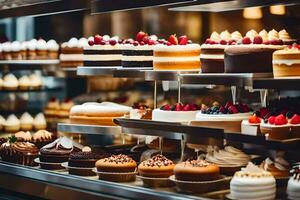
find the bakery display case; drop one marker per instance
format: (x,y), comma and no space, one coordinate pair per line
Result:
(137,116)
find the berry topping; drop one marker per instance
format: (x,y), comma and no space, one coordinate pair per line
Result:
(257,40)
(289,115)
(173,39)
(146,39)
(91,42)
(135,43)
(140,36)
(168,43)
(254,119)
(102,42)
(97,39)
(166,107)
(233,109)
(228,104)
(187,107)
(178,107)
(183,40)
(280,120)
(231,42)
(223,42)
(246,40)
(271,120)
(151,42)
(295,119)
(263,112)
(112,42)
(142,43)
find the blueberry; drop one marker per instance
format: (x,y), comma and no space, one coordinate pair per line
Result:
(289,115)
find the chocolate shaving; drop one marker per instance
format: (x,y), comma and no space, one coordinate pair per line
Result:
(157,160)
(121,158)
(197,163)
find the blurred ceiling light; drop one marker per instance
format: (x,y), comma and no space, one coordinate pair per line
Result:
(277,10)
(252,13)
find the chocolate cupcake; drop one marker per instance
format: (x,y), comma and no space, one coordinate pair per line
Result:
(42,138)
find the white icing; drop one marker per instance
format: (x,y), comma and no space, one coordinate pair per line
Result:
(212,56)
(267,125)
(41,45)
(273,35)
(12,120)
(293,188)
(10,81)
(35,80)
(99,57)
(137,58)
(173,116)
(82,42)
(31,45)
(71,57)
(236,36)
(251,34)
(16,46)
(176,59)
(6,47)
(73,42)
(225,35)
(105,47)
(138,47)
(264,35)
(288,62)
(26,118)
(24,81)
(23,46)
(188,47)
(222,117)
(52,45)
(213,46)
(215,36)
(39,120)
(93,107)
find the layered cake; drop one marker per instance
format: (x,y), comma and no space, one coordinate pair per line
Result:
(287,62)
(196,170)
(293,188)
(72,52)
(176,113)
(98,113)
(157,167)
(140,111)
(278,167)
(251,126)
(103,52)
(228,117)
(253,182)
(228,159)
(178,54)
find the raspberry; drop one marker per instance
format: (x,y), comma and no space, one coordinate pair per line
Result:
(280,120)
(246,40)
(257,40)
(295,119)
(271,120)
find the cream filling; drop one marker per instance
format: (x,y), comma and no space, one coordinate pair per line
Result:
(176,59)
(71,57)
(212,56)
(137,58)
(288,62)
(102,57)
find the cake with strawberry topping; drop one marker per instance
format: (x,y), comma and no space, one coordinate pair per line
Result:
(139,53)
(277,127)
(176,54)
(103,51)
(295,126)
(228,117)
(286,62)
(177,113)
(251,126)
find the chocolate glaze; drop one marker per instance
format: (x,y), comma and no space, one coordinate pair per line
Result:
(137,63)
(137,52)
(106,63)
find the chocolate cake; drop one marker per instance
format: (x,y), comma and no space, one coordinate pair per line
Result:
(137,56)
(84,159)
(212,58)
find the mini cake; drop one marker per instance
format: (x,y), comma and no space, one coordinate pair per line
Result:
(42,138)
(178,54)
(72,52)
(6,51)
(39,122)
(252,121)
(277,127)
(140,112)
(279,168)
(253,182)
(35,81)
(103,52)
(26,121)
(287,62)
(228,117)
(31,49)
(117,164)
(156,167)
(10,82)
(41,49)
(295,126)
(64,108)
(196,170)
(23,136)
(53,49)
(12,124)
(98,113)
(293,188)
(239,58)
(24,83)
(176,113)
(16,50)
(229,160)
(52,107)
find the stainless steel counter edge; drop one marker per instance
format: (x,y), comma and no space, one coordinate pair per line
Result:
(86,185)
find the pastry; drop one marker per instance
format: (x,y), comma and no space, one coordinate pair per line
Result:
(286,62)
(35,81)
(97,113)
(23,136)
(293,188)
(178,54)
(52,107)
(176,113)
(39,122)
(196,170)
(252,121)
(41,49)
(53,49)
(12,124)
(24,83)
(10,82)
(72,52)
(6,51)
(279,168)
(103,51)
(253,182)
(26,122)
(64,108)
(31,49)
(229,159)
(15,50)
(42,138)
(156,167)
(228,117)
(140,111)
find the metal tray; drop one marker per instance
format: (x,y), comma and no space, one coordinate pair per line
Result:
(166,75)
(88,129)
(96,71)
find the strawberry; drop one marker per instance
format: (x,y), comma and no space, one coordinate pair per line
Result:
(246,40)
(223,42)
(228,104)
(140,35)
(135,43)
(231,42)
(267,42)
(280,120)
(207,41)
(254,119)
(212,42)
(112,42)
(102,42)
(97,39)
(168,43)
(173,39)
(178,107)
(194,107)
(183,40)
(151,42)
(91,42)
(233,109)
(257,40)
(167,107)
(295,119)
(271,120)
(187,107)
(142,43)
(145,39)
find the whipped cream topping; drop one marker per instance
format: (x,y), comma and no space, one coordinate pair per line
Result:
(16,46)
(42,135)
(284,35)
(10,80)
(24,81)
(41,45)
(225,35)
(273,35)
(35,80)
(62,143)
(93,107)
(6,47)
(251,34)
(26,118)
(12,120)
(52,45)
(2,120)
(279,163)
(252,171)
(215,36)
(26,136)
(39,119)
(264,35)
(236,36)
(31,45)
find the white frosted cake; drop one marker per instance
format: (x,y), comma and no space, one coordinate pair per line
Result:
(293,188)
(253,182)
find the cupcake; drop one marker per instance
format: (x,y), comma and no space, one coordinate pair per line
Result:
(26,121)
(12,124)
(31,49)
(24,83)
(22,153)
(41,49)
(16,50)
(42,138)
(52,48)
(65,108)
(52,108)
(2,121)
(39,122)
(10,82)
(118,168)
(35,81)
(23,136)
(6,51)
(279,168)
(157,167)
(23,51)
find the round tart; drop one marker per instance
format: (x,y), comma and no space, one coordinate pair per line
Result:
(116,163)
